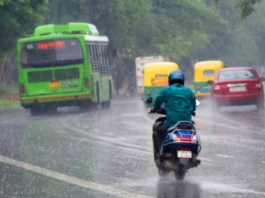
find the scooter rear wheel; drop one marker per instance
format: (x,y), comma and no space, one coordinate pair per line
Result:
(162,172)
(181,172)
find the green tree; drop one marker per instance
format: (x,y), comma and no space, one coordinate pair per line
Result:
(246,6)
(18,19)
(193,31)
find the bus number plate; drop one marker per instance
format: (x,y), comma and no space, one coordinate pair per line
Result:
(66,84)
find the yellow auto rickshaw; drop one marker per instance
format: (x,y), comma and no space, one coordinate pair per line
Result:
(205,71)
(156,78)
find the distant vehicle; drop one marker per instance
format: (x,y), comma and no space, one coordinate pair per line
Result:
(65,65)
(237,86)
(156,78)
(203,72)
(139,65)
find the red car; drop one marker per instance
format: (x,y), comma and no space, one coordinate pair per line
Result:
(237,86)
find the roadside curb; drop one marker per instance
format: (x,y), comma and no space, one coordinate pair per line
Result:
(12,97)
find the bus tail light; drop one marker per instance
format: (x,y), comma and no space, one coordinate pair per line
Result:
(87,83)
(21,89)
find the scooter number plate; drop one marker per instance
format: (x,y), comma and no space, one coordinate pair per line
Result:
(184,154)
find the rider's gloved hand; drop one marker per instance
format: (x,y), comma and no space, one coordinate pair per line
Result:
(152,110)
(194,113)
(161,111)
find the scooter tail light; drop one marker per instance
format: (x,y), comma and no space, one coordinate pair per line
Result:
(184,148)
(194,138)
(184,138)
(176,138)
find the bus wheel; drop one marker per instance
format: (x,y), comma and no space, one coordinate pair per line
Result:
(97,103)
(105,105)
(35,111)
(51,109)
(87,106)
(110,90)
(98,94)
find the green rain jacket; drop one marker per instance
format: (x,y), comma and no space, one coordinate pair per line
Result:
(179,101)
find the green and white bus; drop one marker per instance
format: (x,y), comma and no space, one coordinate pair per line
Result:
(65,65)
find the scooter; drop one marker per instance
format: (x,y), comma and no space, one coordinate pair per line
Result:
(179,149)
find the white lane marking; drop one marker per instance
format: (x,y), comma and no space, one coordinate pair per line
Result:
(222,187)
(228,126)
(70,180)
(244,128)
(108,141)
(9,120)
(207,164)
(240,125)
(224,156)
(206,159)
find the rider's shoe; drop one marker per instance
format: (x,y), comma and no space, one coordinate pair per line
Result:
(157,159)
(198,162)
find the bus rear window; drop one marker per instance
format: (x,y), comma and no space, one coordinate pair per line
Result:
(49,53)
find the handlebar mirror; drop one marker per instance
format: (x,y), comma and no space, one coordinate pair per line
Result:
(149,100)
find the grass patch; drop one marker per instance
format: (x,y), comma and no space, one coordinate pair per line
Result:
(9,103)
(8,89)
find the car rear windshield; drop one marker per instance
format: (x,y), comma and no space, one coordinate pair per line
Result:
(236,74)
(47,53)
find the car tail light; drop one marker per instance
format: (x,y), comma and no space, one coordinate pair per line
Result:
(258,85)
(217,87)
(87,83)
(21,89)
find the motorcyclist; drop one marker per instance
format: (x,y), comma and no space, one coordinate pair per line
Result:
(131,87)
(179,102)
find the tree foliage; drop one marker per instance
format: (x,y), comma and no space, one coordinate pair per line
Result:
(185,31)
(246,6)
(19,18)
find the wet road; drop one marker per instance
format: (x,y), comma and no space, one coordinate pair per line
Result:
(109,154)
